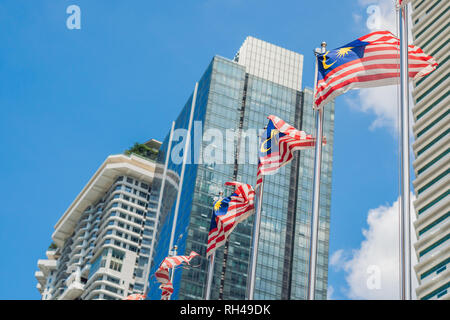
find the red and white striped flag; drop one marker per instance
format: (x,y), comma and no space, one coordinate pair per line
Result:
(370,61)
(135,296)
(167,290)
(228,212)
(277,145)
(162,274)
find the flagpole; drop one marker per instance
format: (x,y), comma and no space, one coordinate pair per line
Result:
(212,257)
(255,241)
(173,253)
(405,216)
(183,167)
(314,228)
(163,183)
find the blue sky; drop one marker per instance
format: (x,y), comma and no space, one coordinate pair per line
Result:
(69,98)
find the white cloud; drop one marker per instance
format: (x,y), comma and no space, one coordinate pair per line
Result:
(372,270)
(381,14)
(336,258)
(357,18)
(330,292)
(381,102)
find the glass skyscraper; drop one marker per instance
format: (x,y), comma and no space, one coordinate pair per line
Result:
(233,100)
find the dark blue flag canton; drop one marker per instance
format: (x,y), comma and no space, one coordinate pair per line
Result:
(269,140)
(335,58)
(220,208)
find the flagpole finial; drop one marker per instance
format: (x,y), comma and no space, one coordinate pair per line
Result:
(324,46)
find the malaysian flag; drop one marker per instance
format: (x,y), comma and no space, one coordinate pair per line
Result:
(228,212)
(162,274)
(370,61)
(167,290)
(277,144)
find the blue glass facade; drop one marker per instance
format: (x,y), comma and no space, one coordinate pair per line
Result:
(228,98)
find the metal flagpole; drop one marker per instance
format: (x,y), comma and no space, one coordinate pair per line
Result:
(210,276)
(255,241)
(183,167)
(163,183)
(314,230)
(173,253)
(212,258)
(405,217)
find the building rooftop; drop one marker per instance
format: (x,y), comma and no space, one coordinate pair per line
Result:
(271,62)
(104,177)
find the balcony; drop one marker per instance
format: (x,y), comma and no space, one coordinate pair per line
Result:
(40,277)
(85,270)
(72,292)
(47,265)
(53,254)
(74,287)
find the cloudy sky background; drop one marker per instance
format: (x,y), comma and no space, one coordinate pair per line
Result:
(70,98)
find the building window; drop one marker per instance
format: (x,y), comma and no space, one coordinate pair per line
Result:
(143,194)
(114,290)
(138,272)
(114,265)
(136,230)
(117,254)
(148,232)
